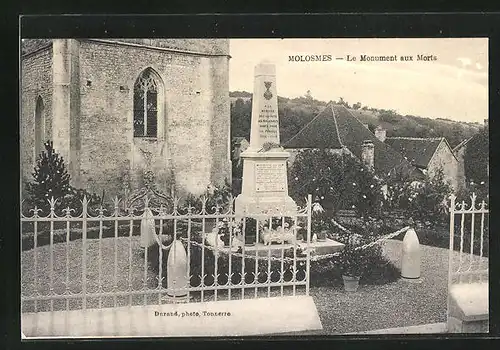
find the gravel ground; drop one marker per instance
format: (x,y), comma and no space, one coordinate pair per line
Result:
(396,304)
(67,265)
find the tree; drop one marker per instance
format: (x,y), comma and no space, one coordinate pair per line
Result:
(456,135)
(336,181)
(356,106)
(476,157)
(427,200)
(241,112)
(308,95)
(51,178)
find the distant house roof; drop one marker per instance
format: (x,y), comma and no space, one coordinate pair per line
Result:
(464,143)
(419,151)
(336,127)
(320,132)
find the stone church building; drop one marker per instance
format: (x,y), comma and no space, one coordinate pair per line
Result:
(118,108)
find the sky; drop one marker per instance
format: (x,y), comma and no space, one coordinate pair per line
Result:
(455,86)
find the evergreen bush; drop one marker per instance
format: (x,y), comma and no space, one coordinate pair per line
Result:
(51,180)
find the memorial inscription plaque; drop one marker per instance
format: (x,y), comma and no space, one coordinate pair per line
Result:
(268,124)
(270,177)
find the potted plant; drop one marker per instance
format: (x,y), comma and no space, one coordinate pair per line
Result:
(352,262)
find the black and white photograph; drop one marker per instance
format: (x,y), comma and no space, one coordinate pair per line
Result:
(217,187)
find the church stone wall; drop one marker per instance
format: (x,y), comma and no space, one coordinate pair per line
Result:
(221,125)
(36,80)
(196,108)
(206,46)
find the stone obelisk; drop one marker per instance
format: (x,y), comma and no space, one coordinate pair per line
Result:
(264,183)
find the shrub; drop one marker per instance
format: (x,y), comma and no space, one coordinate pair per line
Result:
(428,201)
(480,189)
(51,179)
(336,181)
(368,263)
(423,201)
(215,196)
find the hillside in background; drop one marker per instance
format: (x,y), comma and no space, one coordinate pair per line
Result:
(297,112)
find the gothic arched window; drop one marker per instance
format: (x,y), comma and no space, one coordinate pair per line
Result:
(146,92)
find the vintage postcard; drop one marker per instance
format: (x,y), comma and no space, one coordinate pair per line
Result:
(248,187)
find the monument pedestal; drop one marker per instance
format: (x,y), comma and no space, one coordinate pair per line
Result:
(265,186)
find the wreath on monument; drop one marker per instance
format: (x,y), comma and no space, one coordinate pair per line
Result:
(267,146)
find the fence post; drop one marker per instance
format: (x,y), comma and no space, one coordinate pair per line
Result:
(177,281)
(450,258)
(308,256)
(148,229)
(410,261)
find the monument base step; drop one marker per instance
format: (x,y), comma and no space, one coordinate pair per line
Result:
(456,325)
(431,328)
(221,318)
(468,308)
(327,246)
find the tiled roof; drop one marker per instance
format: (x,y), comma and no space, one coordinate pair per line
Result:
(418,151)
(335,127)
(320,132)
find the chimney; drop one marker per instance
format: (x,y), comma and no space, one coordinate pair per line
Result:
(368,154)
(380,133)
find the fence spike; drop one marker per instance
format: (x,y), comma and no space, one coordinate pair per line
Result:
(483,205)
(473,201)
(101,211)
(35,211)
(67,211)
(52,202)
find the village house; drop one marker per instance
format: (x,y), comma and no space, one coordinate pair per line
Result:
(429,155)
(337,129)
(118,108)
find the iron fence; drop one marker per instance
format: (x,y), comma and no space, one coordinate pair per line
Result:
(468,258)
(152,250)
